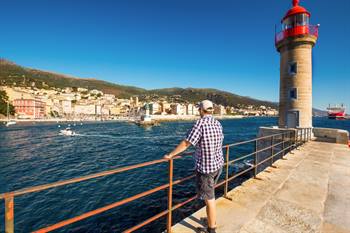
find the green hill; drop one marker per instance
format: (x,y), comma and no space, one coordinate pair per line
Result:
(12,74)
(217,96)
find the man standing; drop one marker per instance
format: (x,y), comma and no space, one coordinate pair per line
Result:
(207,136)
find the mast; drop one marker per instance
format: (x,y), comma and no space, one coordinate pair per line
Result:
(8,110)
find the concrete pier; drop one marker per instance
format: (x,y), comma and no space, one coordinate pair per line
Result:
(307,191)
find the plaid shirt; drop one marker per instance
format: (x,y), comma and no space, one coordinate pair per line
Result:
(207,136)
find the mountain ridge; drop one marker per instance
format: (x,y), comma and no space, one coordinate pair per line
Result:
(11,73)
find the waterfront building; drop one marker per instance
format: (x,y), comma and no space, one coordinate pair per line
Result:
(67,96)
(84,109)
(68,90)
(105,110)
(29,108)
(219,110)
(48,105)
(178,109)
(17,93)
(108,97)
(271,112)
(154,108)
(80,89)
(195,110)
(189,109)
(165,107)
(295,43)
(115,110)
(124,102)
(96,92)
(66,106)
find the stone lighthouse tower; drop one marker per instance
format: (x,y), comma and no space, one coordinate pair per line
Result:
(295,43)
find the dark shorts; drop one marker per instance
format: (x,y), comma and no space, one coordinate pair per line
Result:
(206,184)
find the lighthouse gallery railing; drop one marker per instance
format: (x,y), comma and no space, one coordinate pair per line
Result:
(298,30)
(285,142)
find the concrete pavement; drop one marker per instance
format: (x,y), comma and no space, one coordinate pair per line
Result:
(307,191)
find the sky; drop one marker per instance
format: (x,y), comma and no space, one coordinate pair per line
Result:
(223,44)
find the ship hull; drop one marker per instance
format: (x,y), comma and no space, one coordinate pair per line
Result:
(338,115)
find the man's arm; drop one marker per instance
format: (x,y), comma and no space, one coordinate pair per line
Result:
(179,149)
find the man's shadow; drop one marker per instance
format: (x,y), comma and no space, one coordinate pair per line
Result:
(202,222)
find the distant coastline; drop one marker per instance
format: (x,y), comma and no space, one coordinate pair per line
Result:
(159,118)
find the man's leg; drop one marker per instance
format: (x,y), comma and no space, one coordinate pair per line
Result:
(211,212)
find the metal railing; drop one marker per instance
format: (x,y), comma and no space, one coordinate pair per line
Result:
(298,30)
(283,142)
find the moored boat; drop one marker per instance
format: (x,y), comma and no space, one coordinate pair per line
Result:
(336,112)
(67,132)
(146,119)
(11,122)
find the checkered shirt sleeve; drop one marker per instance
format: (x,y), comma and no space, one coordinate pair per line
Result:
(195,134)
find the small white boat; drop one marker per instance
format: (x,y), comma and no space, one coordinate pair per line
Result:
(67,132)
(9,123)
(146,119)
(249,164)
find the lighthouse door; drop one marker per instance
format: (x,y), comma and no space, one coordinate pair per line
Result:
(292,119)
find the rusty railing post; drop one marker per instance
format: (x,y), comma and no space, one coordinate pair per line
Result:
(170,196)
(9,214)
(272,141)
(256,159)
(227,165)
(283,152)
(290,141)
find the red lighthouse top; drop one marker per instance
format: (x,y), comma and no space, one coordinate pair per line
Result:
(296,9)
(296,23)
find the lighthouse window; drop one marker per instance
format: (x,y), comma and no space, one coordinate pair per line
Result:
(293,94)
(293,68)
(302,20)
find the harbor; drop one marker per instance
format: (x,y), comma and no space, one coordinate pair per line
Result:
(87,155)
(76,158)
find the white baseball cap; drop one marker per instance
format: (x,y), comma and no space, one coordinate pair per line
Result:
(206,105)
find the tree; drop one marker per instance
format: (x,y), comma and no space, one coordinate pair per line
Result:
(3,104)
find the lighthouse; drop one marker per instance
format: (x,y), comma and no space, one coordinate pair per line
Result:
(295,43)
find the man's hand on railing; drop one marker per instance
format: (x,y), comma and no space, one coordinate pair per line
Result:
(167,156)
(178,150)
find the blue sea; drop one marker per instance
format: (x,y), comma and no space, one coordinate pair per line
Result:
(34,154)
